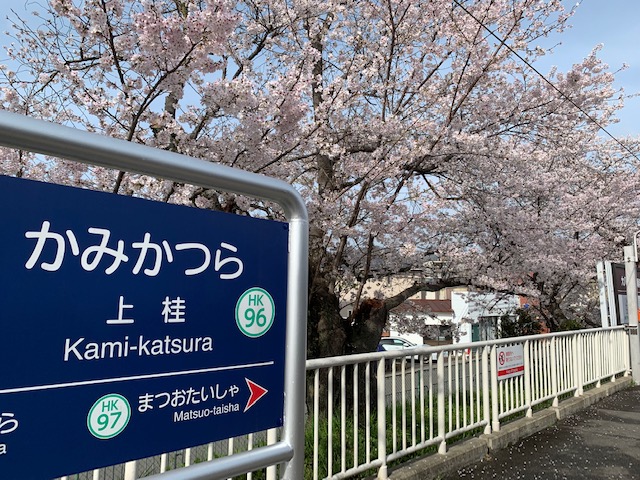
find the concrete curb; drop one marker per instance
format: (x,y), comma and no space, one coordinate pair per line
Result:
(574,405)
(512,432)
(433,466)
(472,451)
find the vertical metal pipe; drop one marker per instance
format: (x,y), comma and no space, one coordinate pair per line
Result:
(486,390)
(394,408)
(382,421)
(450,391)
(250,447)
(367,409)
(574,363)
(441,411)
(296,344)
(554,371)
(597,347)
(431,412)
(527,377)
(495,421)
(457,384)
(403,400)
(343,418)
(356,426)
(479,374)
(316,421)
(465,363)
(602,290)
(209,453)
(130,470)
(422,422)
(581,363)
(413,403)
(568,367)
(613,352)
(630,271)
(329,423)
(272,438)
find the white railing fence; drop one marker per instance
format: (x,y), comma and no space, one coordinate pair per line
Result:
(366,411)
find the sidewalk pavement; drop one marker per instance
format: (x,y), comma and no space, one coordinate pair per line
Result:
(595,436)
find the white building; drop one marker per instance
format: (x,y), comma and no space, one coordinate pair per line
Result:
(464,317)
(423,321)
(450,315)
(477,314)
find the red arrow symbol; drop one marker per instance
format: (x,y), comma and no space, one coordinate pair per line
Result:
(257,392)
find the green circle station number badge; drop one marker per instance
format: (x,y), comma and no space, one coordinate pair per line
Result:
(109,416)
(255,311)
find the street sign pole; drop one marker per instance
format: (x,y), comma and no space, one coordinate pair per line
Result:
(602,294)
(630,267)
(24,133)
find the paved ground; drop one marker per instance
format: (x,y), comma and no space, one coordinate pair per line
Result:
(601,442)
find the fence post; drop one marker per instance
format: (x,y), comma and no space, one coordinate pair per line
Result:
(574,361)
(441,410)
(495,413)
(527,378)
(577,358)
(272,437)
(597,345)
(554,371)
(316,421)
(382,420)
(627,356)
(613,357)
(582,339)
(486,391)
(130,470)
(329,422)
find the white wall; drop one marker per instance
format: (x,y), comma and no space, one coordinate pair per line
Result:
(415,337)
(468,307)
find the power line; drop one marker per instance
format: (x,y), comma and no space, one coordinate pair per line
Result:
(562,94)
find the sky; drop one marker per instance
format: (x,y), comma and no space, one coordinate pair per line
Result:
(616,25)
(613,23)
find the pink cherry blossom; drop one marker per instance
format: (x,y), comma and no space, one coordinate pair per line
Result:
(414,135)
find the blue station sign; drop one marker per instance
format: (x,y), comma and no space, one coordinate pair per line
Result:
(132,328)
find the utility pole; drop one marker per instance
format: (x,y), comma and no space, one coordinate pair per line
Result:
(630,271)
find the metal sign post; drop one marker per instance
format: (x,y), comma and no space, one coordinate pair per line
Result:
(170,304)
(630,260)
(603,294)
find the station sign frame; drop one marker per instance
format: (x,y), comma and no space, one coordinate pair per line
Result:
(24,133)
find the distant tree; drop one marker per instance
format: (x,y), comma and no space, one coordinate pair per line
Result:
(522,322)
(411,132)
(571,324)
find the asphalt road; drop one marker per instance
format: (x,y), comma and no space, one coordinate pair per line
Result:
(601,442)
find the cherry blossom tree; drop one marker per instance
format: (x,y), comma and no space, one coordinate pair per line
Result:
(419,139)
